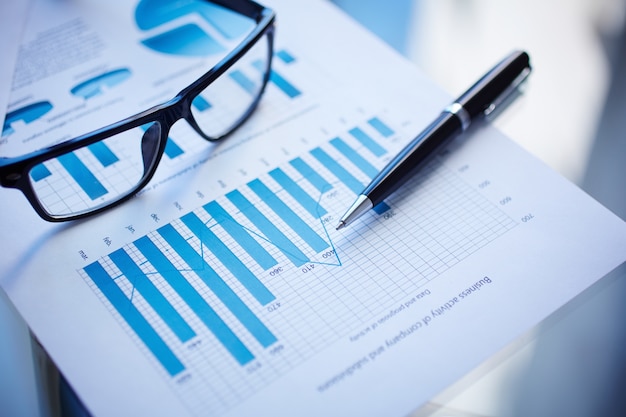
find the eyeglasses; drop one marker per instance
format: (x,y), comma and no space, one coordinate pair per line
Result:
(96,171)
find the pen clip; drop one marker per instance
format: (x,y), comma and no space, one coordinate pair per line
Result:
(508,92)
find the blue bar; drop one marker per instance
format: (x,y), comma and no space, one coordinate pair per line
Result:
(103,154)
(241,236)
(94,86)
(382,128)
(381,208)
(218,286)
(301,196)
(26,114)
(285,56)
(284,85)
(7,129)
(311,175)
(200,103)
(266,227)
(368,142)
(81,174)
(361,163)
(243,81)
(172,150)
(228,258)
(339,171)
(292,219)
(135,320)
(152,295)
(39,172)
(199,306)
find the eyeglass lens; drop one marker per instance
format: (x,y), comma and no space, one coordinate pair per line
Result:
(220,107)
(102,173)
(96,175)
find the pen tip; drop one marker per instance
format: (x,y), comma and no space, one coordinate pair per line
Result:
(340,225)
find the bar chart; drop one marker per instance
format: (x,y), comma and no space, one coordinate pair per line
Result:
(195,38)
(78,170)
(216,275)
(296,240)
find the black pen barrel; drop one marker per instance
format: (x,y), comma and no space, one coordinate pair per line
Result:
(408,161)
(480,99)
(486,90)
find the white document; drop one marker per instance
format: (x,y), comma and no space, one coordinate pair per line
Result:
(223,289)
(13,16)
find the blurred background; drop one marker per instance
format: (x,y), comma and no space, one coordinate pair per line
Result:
(572,116)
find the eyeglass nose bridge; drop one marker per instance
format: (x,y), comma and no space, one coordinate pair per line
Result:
(184,112)
(191,121)
(150,146)
(154,139)
(180,109)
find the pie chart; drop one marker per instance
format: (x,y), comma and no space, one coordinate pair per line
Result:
(191,28)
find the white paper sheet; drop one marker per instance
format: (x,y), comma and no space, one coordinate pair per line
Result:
(371,320)
(13,16)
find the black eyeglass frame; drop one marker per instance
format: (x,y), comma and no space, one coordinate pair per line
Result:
(14,171)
